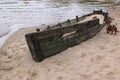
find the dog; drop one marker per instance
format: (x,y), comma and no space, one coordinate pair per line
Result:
(112,28)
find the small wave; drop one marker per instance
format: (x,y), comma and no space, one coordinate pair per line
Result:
(11,30)
(17,26)
(4,31)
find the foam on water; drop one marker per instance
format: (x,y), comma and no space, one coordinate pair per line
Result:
(11,31)
(4,31)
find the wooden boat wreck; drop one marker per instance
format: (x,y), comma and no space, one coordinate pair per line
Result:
(53,40)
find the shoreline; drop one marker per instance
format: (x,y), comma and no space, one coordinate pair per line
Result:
(21,30)
(24,31)
(4,34)
(8,36)
(14,36)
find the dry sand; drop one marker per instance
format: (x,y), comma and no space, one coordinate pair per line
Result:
(96,59)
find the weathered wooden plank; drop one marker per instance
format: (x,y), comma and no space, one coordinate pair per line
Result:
(53,47)
(67,29)
(50,42)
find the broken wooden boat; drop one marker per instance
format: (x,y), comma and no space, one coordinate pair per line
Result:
(53,40)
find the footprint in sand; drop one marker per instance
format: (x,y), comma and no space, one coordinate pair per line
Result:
(60,78)
(3,52)
(110,73)
(105,66)
(6,67)
(86,76)
(95,72)
(32,73)
(83,55)
(97,59)
(110,76)
(102,47)
(113,50)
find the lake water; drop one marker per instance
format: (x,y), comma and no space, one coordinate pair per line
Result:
(16,14)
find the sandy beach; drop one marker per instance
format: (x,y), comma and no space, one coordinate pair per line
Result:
(95,59)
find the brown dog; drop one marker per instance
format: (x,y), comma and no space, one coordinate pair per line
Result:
(112,28)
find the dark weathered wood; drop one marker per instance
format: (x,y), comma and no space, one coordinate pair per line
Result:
(38,30)
(98,12)
(59,24)
(55,46)
(77,18)
(53,41)
(68,21)
(67,29)
(35,48)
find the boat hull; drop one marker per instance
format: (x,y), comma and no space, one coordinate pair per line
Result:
(50,42)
